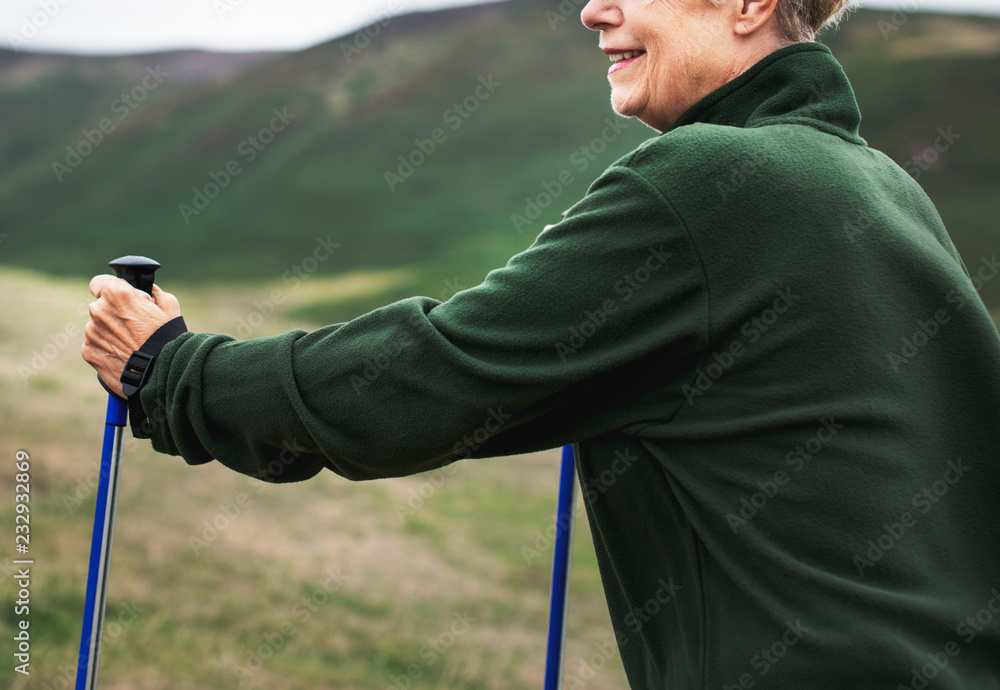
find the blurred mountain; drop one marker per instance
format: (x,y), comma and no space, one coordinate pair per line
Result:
(412,144)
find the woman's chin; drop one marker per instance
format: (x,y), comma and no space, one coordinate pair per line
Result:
(624,105)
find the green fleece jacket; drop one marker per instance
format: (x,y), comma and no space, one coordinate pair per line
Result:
(784,388)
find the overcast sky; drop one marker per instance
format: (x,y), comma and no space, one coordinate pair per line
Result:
(122,26)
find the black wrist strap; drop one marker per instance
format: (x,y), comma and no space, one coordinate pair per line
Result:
(137,372)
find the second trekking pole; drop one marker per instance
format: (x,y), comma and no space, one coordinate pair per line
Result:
(565,511)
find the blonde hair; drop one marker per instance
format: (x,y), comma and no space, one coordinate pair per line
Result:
(800,20)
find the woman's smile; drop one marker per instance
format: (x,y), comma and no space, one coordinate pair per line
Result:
(623,59)
(669,54)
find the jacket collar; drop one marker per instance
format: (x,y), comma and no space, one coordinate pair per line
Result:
(802,84)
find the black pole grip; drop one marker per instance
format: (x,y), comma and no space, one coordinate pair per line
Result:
(137,271)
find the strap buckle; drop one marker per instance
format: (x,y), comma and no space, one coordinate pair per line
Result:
(135,373)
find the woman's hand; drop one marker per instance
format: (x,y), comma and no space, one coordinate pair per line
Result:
(122,319)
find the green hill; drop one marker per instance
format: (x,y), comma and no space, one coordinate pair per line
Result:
(410,145)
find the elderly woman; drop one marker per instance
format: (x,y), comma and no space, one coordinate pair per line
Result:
(783,385)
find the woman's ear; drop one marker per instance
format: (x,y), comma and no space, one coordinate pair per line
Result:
(754,15)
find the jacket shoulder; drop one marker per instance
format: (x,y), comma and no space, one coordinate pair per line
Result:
(699,145)
(688,160)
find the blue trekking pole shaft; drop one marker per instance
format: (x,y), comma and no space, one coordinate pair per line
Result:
(100,545)
(565,512)
(138,271)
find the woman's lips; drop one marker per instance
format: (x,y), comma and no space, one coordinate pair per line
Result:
(624,63)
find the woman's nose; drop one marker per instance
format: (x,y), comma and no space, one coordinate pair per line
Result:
(599,15)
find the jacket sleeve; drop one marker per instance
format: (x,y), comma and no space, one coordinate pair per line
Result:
(579,334)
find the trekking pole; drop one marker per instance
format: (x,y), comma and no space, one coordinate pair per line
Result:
(139,272)
(565,512)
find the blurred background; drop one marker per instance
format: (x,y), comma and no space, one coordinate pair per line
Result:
(293,164)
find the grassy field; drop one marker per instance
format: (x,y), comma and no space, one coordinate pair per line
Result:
(219,581)
(432,581)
